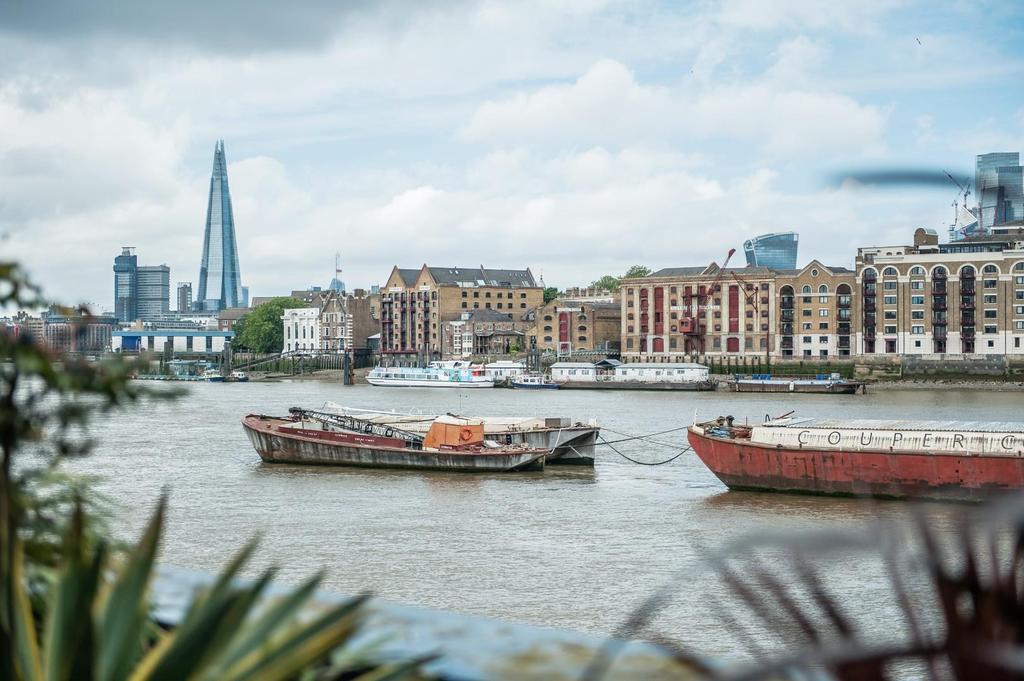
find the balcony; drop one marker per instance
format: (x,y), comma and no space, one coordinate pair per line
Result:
(786,315)
(938,287)
(843,329)
(787,343)
(939,333)
(870,277)
(939,304)
(844,342)
(967,334)
(967,304)
(869,305)
(967,290)
(844,301)
(869,333)
(786,302)
(844,315)
(786,329)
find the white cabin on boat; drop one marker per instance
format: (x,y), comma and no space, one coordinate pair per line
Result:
(504,369)
(563,372)
(642,372)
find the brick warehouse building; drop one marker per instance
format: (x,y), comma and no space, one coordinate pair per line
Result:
(416,304)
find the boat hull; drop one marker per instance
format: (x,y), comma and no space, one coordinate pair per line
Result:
(636,385)
(845,388)
(275,445)
(535,386)
(412,383)
(740,464)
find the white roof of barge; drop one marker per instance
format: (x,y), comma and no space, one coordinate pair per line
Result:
(899,424)
(573,365)
(661,365)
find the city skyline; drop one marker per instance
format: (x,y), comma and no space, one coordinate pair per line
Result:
(579,140)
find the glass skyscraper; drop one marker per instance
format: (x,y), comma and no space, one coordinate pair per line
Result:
(126,285)
(220,282)
(154,291)
(777,251)
(999,187)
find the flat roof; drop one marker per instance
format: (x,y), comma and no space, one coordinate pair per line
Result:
(172,332)
(662,365)
(573,365)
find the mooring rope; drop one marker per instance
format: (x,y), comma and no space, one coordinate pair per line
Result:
(641,437)
(642,463)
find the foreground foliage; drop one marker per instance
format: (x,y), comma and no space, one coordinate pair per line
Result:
(261,329)
(73,607)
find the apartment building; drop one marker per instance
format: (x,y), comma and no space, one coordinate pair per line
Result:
(483,332)
(301,329)
(347,320)
(963,297)
(416,304)
(816,312)
(678,312)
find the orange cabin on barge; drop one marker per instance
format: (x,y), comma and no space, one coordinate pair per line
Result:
(956,460)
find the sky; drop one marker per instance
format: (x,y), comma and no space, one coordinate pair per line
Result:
(574,137)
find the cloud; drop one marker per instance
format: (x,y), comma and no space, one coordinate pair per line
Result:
(607,104)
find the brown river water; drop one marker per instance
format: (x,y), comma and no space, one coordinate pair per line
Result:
(569,548)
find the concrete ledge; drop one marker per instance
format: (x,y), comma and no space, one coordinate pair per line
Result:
(467,647)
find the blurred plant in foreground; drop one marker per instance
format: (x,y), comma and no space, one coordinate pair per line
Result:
(69,609)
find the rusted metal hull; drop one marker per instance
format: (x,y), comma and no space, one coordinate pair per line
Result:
(740,464)
(275,444)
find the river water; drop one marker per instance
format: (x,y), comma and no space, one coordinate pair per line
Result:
(568,548)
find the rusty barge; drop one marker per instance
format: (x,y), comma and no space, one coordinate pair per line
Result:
(945,460)
(569,443)
(450,444)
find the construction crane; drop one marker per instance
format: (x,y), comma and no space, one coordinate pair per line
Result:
(965,191)
(752,294)
(690,325)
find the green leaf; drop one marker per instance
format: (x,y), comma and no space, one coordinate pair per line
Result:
(27,661)
(126,609)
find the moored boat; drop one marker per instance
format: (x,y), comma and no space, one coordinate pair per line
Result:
(450,444)
(533,382)
(766,383)
(569,443)
(963,461)
(437,375)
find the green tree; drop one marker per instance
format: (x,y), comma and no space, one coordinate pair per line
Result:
(637,271)
(550,293)
(261,330)
(607,282)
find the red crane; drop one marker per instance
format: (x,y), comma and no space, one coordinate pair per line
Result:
(690,325)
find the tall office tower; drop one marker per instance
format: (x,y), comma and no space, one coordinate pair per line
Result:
(999,188)
(154,297)
(126,285)
(184,296)
(777,251)
(220,284)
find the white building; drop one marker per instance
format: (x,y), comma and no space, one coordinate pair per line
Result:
(179,340)
(661,372)
(301,329)
(504,369)
(562,372)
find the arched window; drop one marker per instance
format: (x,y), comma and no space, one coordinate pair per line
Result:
(1019,267)
(547,318)
(806,288)
(843,289)
(917,271)
(787,290)
(583,317)
(890,272)
(939,271)
(967,271)
(869,273)
(991,269)
(823,289)
(582,328)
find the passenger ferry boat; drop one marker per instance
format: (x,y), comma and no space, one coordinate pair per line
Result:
(447,374)
(957,460)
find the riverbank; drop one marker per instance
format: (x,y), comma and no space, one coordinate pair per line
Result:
(947,384)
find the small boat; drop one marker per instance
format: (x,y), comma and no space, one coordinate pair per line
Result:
(452,374)
(832,384)
(568,443)
(450,444)
(533,382)
(213,376)
(954,460)
(239,376)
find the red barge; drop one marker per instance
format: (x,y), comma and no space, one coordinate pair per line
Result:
(954,460)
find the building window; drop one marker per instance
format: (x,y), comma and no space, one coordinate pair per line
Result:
(807,327)
(991,328)
(917,330)
(476,294)
(917,300)
(823,339)
(991,283)
(890,314)
(522,306)
(823,326)
(991,314)
(464,304)
(917,285)
(890,328)
(521,295)
(917,314)
(806,313)
(990,299)
(465,294)
(806,339)
(823,312)
(889,300)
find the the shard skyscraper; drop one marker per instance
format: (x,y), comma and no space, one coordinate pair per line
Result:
(220,281)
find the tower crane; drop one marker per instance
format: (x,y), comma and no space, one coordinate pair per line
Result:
(965,191)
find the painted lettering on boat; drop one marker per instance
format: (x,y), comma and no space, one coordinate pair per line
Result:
(883,439)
